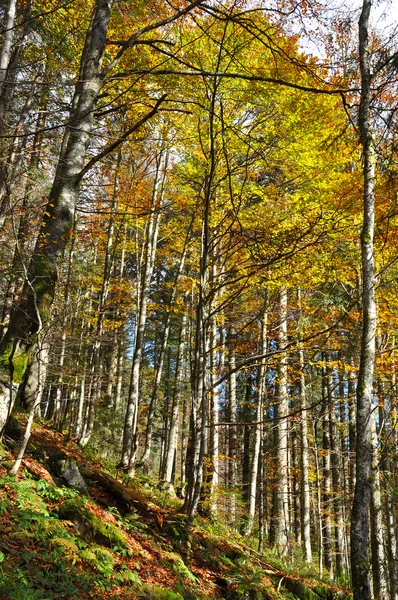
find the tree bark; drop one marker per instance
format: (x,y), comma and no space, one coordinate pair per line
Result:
(258,429)
(380,590)
(280,511)
(305,483)
(362,494)
(232,437)
(171,450)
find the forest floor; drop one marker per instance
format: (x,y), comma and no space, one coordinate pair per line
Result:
(123,541)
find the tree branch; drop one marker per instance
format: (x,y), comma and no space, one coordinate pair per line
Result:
(122,139)
(133,39)
(226,75)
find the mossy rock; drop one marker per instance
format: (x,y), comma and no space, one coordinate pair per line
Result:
(155,592)
(65,468)
(232,594)
(88,524)
(300,589)
(179,566)
(322,592)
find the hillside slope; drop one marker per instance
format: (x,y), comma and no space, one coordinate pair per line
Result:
(120,541)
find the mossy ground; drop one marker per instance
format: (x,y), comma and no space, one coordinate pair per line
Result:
(57,544)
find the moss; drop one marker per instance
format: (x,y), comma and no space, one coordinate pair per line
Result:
(365,236)
(20,362)
(300,589)
(323,592)
(179,566)
(155,592)
(175,528)
(45,277)
(75,510)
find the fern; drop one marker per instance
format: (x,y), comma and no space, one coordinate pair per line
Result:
(68,547)
(100,558)
(27,495)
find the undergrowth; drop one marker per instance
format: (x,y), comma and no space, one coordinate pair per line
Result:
(59,544)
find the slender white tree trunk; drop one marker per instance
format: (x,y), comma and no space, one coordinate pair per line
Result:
(379,562)
(305,482)
(173,434)
(362,496)
(9,30)
(280,509)
(258,428)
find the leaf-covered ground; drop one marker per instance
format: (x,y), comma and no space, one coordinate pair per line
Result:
(123,541)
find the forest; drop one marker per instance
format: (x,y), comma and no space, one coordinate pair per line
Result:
(198,266)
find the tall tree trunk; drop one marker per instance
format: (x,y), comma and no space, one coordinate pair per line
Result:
(280,510)
(377,529)
(362,495)
(9,30)
(199,381)
(232,437)
(258,428)
(305,483)
(171,451)
(327,476)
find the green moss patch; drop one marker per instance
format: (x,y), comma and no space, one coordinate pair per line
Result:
(155,592)
(179,566)
(107,534)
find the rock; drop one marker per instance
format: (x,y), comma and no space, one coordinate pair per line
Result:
(166,486)
(66,470)
(89,524)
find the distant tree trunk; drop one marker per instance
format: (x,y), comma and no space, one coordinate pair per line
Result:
(327,477)
(362,496)
(318,504)
(280,532)
(337,482)
(120,338)
(380,590)
(214,438)
(345,459)
(352,436)
(171,450)
(232,437)
(392,546)
(258,428)
(305,483)
(247,418)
